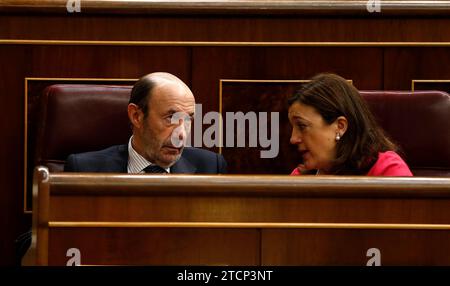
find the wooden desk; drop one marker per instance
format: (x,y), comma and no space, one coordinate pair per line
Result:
(239,220)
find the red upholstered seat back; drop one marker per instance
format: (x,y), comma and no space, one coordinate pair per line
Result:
(420,123)
(79,118)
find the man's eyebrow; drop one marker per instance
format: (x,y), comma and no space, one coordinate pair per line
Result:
(172,111)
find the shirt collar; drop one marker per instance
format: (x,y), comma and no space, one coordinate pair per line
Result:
(137,163)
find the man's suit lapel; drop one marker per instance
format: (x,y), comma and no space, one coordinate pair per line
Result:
(119,163)
(183,166)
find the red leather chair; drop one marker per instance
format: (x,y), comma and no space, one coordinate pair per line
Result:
(79,118)
(420,123)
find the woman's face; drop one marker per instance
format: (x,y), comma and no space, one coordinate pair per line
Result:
(315,139)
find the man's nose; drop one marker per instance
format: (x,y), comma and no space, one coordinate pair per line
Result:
(182,131)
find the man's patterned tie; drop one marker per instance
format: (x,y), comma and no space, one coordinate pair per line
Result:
(155,169)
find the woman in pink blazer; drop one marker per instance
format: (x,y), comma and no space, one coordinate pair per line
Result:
(336,134)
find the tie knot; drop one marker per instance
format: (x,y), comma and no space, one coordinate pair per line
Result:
(155,169)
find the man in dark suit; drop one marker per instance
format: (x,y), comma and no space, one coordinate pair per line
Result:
(160,110)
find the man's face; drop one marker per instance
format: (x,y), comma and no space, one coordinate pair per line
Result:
(159,129)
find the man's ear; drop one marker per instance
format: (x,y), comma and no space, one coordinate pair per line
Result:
(135,115)
(342,124)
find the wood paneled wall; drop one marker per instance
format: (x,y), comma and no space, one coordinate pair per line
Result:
(375,51)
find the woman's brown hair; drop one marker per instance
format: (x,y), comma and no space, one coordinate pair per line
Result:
(332,96)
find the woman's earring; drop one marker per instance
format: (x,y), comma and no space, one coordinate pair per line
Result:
(338,137)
